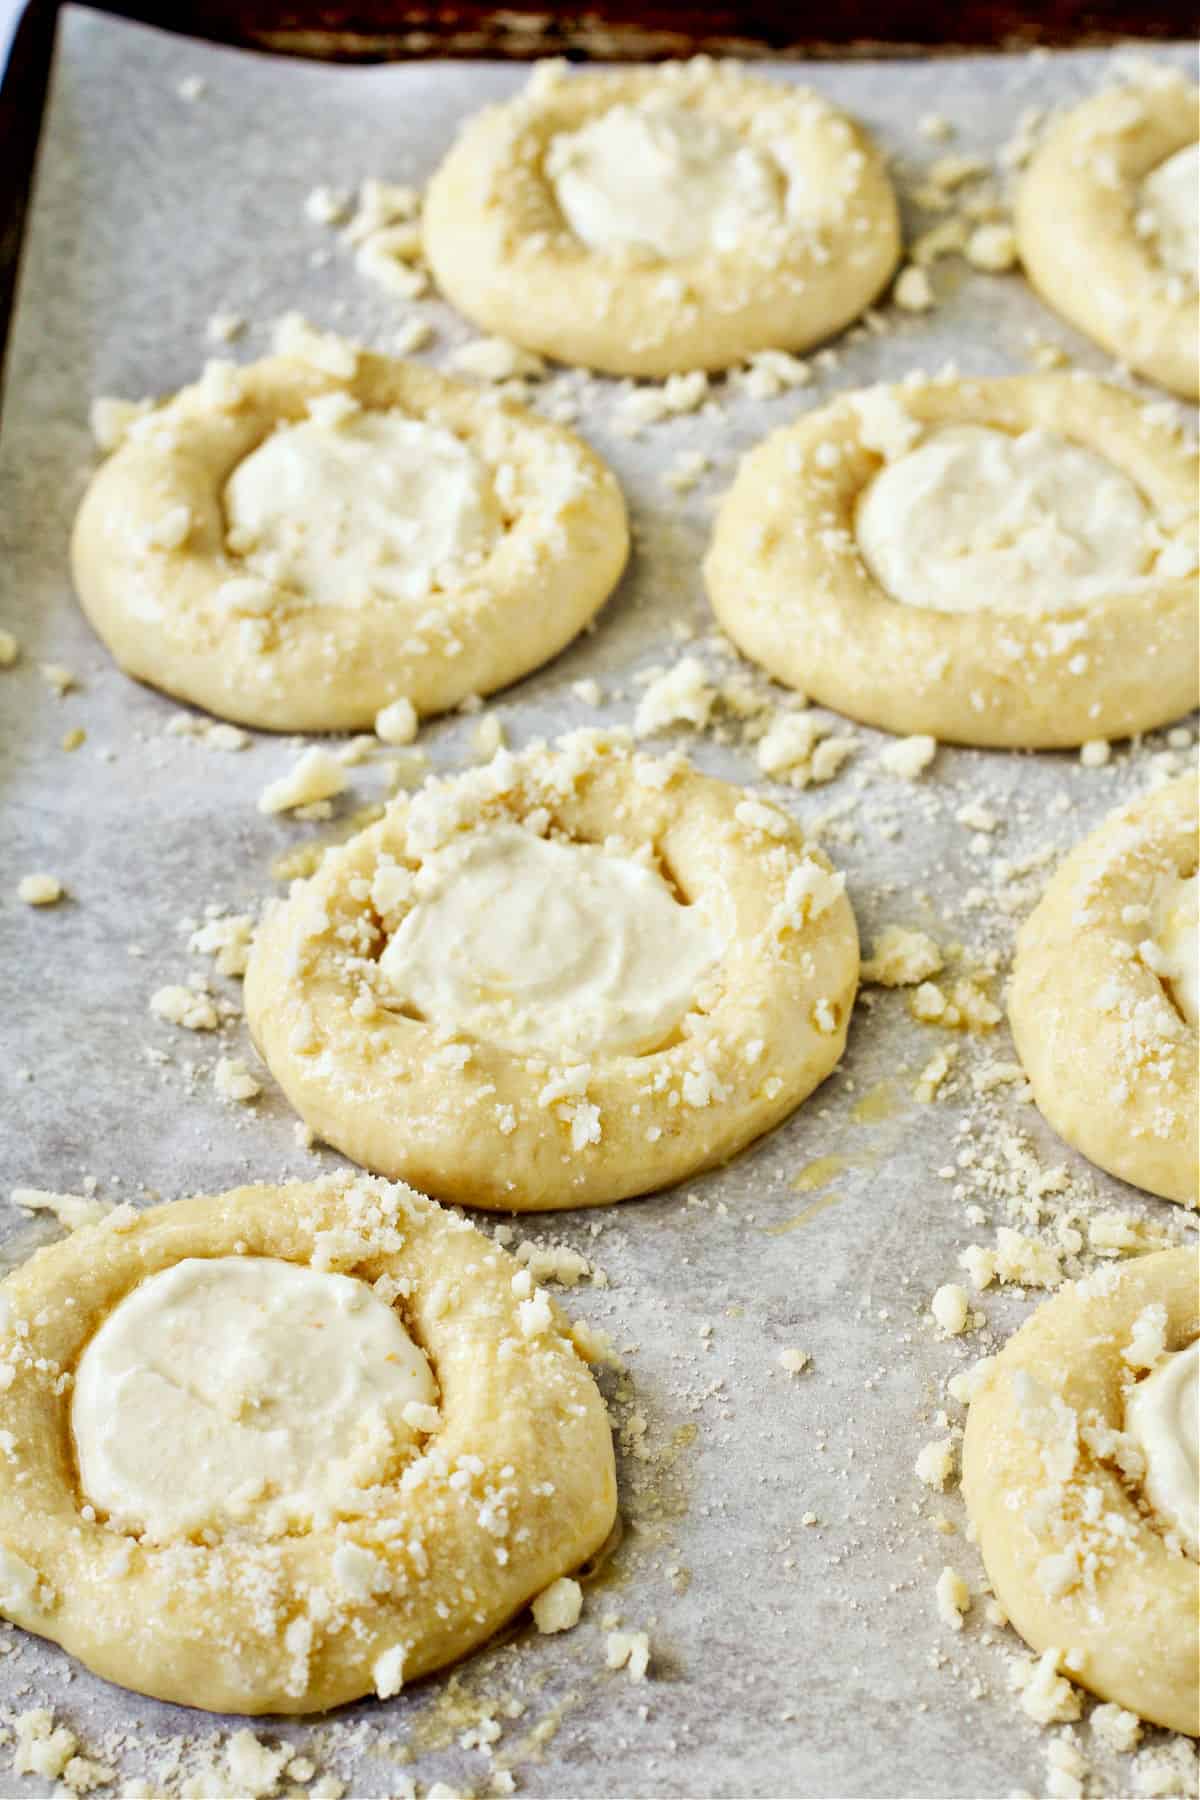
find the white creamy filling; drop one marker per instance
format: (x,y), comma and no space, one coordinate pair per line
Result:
(1169,211)
(242,1389)
(663,182)
(1162,1414)
(537,945)
(974,519)
(376,504)
(1178,959)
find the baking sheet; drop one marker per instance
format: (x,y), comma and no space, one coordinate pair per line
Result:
(789,1658)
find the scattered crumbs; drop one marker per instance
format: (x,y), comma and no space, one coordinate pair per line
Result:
(1045,1695)
(224,327)
(953,1598)
(495,359)
(913,291)
(184,1006)
(934,1466)
(233,1080)
(487,737)
(557,1608)
(415,334)
(992,248)
(901,958)
(397,723)
(934,1074)
(40,890)
(253,1766)
(651,405)
(628,1650)
(317,776)
(949,1307)
(908,757)
(59,678)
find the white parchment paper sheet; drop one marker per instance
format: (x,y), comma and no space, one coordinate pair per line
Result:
(788,1659)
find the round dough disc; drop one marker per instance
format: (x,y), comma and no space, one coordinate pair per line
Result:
(789,583)
(1077,217)
(193,618)
(1112,1061)
(503,251)
(520,1463)
(1077,1559)
(479,1123)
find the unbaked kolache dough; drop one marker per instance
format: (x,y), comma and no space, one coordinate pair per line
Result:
(1103,1002)
(1107,225)
(320,1440)
(1080,1475)
(1006,562)
(297,543)
(648,221)
(566,977)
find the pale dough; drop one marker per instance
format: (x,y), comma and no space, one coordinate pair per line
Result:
(1077,1555)
(1097,1003)
(1090,232)
(655,220)
(486,1116)
(503,1486)
(1001,655)
(298,546)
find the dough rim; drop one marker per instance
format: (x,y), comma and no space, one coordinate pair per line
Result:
(334,668)
(1078,243)
(788,583)
(445,1130)
(1142,1652)
(1061,963)
(500,249)
(535,1407)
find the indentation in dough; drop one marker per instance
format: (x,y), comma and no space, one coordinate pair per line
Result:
(243,1388)
(977,519)
(537,944)
(1168,214)
(375,505)
(1162,1414)
(662,181)
(1174,951)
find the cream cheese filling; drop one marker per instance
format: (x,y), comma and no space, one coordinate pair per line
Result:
(374,504)
(1162,1415)
(663,182)
(537,945)
(974,519)
(243,1390)
(1168,213)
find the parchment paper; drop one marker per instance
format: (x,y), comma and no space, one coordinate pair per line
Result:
(788,1658)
